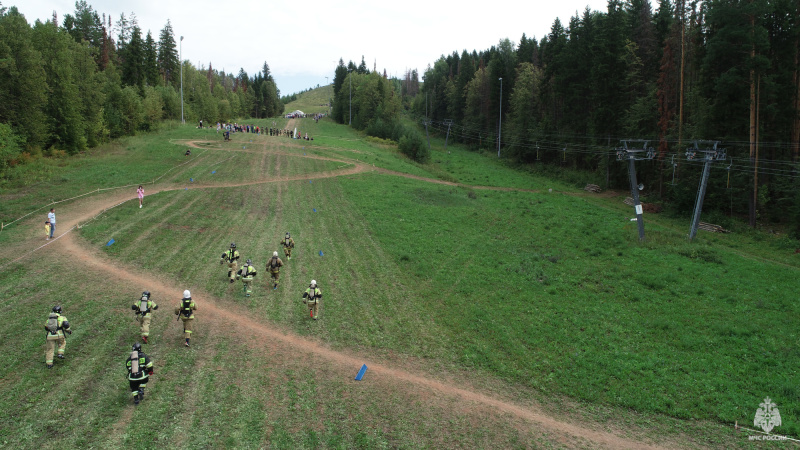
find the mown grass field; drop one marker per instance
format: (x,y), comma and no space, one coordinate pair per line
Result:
(540,297)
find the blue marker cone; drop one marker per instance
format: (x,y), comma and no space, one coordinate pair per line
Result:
(315,209)
(185,189)
(110,242)
(320,253)
(213,172)
(191,180)
(361,372)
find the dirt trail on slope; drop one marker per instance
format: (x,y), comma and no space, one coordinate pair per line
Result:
(217,317)
(224,317)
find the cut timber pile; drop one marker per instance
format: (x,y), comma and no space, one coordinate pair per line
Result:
(711,227)
(593,188)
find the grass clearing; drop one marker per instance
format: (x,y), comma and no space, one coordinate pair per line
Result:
(547,295)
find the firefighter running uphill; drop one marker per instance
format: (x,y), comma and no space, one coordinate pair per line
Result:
(231,256)
(144,308)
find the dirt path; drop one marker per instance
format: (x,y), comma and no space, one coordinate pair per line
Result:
(222,317)
(218,317)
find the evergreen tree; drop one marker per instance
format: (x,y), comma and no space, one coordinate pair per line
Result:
(133,61)
(23,83)
(150,61)
(168,64)
(65,122)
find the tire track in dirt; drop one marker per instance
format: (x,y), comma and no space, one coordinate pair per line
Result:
(223,317)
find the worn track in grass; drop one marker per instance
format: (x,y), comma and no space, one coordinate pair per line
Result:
(235,321)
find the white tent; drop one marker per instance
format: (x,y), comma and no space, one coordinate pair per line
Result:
(299,113)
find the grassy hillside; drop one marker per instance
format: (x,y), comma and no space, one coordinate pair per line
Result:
(542,298)
(314,101)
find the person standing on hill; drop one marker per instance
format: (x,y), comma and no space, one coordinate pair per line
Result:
(51,216)
(288,245)
(185,311)
(231,256)
(246,273)
(140,193)
(140,367)
(274,266)
(144,308)
(55,326)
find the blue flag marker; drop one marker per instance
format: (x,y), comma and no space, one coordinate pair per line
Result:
(310,181)
(213,172)
(361,372)
(243,147)
(185,189)
(320,253)
(315,209)
(110,242)
(191,180)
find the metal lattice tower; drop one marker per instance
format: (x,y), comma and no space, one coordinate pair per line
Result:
(709,154)
(635,150)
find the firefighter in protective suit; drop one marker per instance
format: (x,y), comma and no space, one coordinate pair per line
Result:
(140,367)
(231,256)
(185,311)
(274,266)
(288,245)
(311,297)
(55,326)
(143,309)
(246,273)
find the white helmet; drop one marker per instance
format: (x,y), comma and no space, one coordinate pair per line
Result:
(274,253)
(187,294)
(313,282)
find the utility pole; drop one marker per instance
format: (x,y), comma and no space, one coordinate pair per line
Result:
(427,122)
(500,127)
(350,77)
(183,121)
(709,155)
(635,154)
(447,122)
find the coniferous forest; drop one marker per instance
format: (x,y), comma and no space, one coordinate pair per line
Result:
(718,70)
(76,81)
(671,73)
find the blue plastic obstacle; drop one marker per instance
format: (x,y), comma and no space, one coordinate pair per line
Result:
(361,372)
(320,253)
(191,180)
(315,209)
(310,181)
(110,242)
(213,172)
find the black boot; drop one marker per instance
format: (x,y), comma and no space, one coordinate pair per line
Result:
(141,393)
(136,399)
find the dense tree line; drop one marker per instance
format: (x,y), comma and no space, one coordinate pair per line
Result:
(722,70)
(70,86)
(371,102)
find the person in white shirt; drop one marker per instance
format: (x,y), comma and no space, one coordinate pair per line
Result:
(51,216)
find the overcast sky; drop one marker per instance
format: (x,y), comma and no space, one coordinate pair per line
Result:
(302,41)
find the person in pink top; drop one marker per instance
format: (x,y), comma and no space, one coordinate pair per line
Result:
(140,193)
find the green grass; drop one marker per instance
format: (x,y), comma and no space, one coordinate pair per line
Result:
(314,101)
(548,294)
